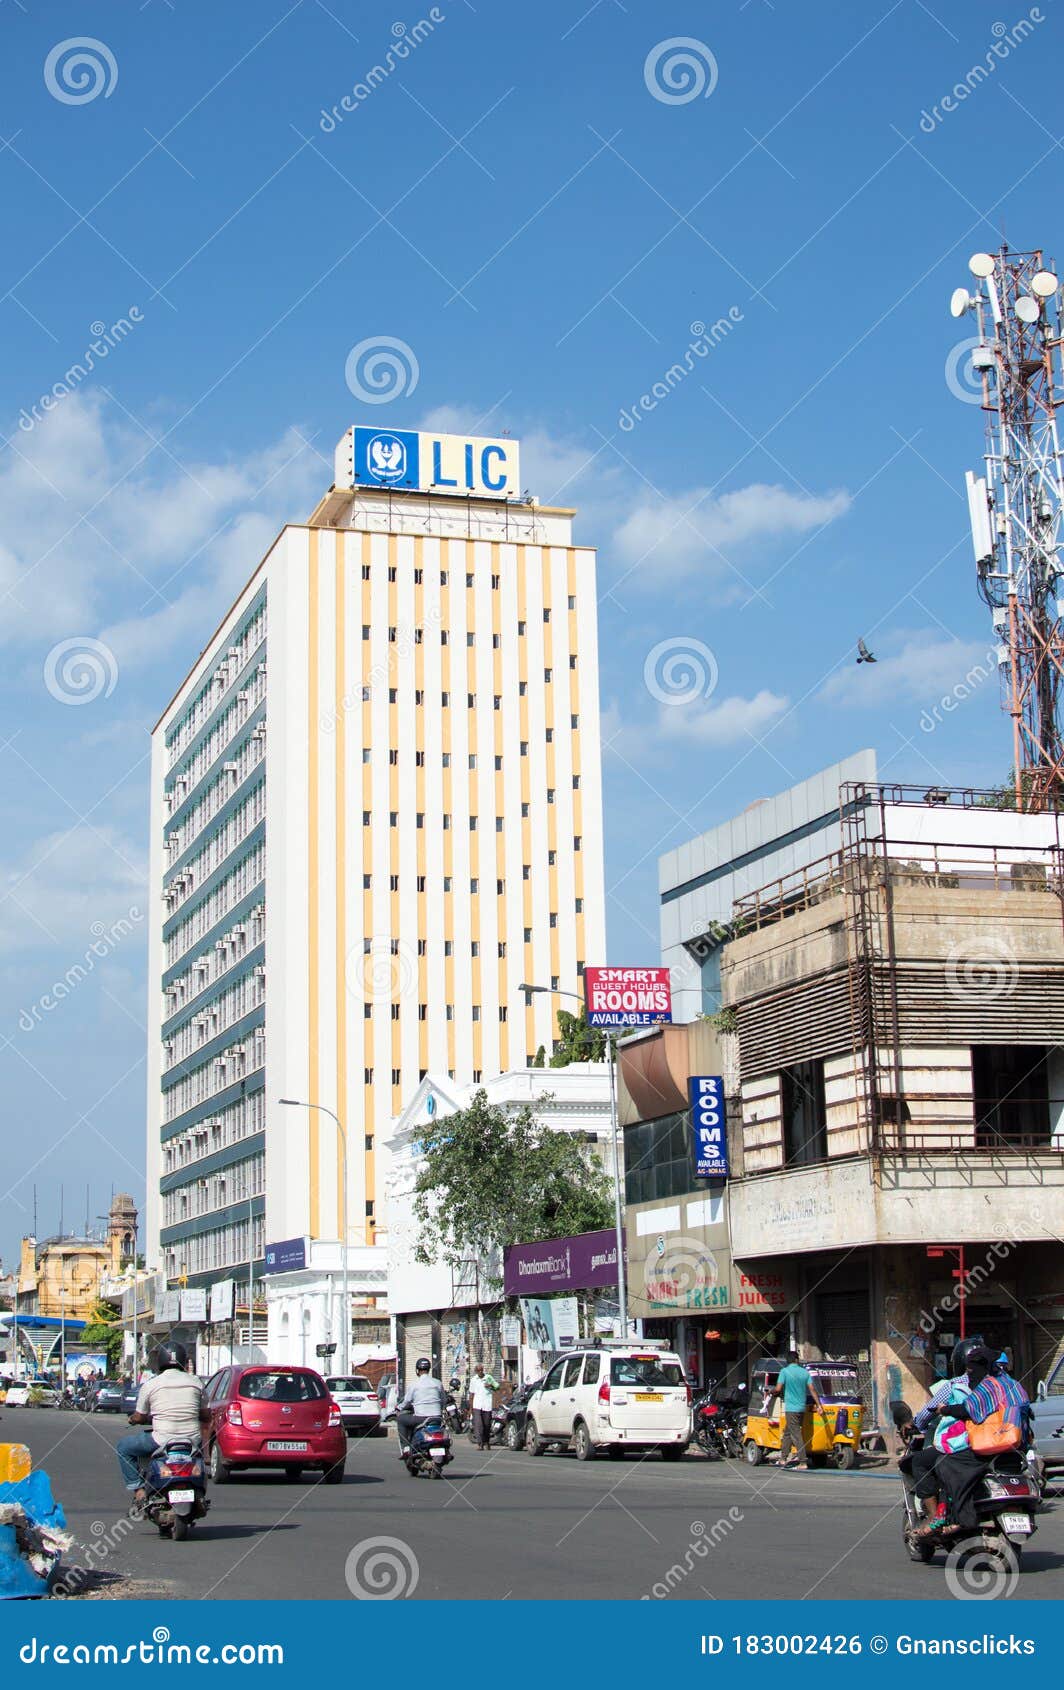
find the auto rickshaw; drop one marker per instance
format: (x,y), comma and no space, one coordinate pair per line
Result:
(831,1433)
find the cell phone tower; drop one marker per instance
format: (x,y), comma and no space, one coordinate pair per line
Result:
(1016,506)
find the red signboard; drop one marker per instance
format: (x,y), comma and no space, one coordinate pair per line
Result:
(627,997)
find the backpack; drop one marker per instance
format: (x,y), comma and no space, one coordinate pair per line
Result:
(1002,1430)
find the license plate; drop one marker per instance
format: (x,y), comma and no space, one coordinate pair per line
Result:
(286,1444)
(182,1496)
(649,1396)
(1014,1522)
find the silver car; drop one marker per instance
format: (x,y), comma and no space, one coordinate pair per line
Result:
(1048,1409)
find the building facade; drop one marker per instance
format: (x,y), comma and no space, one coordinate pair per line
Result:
(685,1283)
(454,1315)
(700,881)
(376,810)
(899,1011)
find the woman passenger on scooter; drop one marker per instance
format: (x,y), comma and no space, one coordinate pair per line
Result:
(959,1468)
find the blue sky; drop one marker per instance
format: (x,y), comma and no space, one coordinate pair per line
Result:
(517,202)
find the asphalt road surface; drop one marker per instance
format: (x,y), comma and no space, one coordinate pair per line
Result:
(502,1525)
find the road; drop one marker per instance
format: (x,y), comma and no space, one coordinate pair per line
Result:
(504,1525)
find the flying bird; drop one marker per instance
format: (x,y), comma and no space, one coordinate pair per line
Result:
(863,653)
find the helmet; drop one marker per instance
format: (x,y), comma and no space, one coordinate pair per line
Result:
(171,1355)
(961,1351)
(423,1365)
(980,1362)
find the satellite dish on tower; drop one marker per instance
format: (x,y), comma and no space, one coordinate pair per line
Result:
(1044,284)
(959,302)
(981,264)
(1026,309)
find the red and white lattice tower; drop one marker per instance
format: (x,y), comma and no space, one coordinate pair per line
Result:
(1016,506)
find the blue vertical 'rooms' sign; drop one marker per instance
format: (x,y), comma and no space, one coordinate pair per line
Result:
(708,1125)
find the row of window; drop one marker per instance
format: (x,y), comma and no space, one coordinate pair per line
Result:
(220,845)
(235,1122)
(222,1247)
(229,776)
(222,677)
(240,999)
(211,964)
(422,880)
(234,1184)
(228,724)
(234,1063)
(235,886)
(444,577)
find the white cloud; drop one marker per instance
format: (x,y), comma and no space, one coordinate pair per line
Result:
(97,523)
(678,532)
(66,888)
(726,721)
(927,666)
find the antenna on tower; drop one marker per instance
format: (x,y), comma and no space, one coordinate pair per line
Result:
(1016,507)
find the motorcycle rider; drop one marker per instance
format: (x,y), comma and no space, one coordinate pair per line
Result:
(425,1399)
(952,1390)
(172,1404)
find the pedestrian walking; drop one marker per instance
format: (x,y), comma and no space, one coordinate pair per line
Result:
(795,1386)
(482,1389)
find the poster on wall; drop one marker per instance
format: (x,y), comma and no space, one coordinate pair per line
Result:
(551,1323)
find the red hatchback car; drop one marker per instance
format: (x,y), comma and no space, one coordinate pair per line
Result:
(273,1417)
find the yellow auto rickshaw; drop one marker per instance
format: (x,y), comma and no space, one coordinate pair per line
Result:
(831,1433)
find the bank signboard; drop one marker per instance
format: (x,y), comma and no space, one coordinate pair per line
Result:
(457,465)
(286,1257)
(581,1263)
(627,997)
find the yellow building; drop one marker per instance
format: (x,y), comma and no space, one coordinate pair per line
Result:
(61,1277)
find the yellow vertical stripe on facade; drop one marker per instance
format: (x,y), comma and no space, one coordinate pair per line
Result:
(341,870)
(313,796)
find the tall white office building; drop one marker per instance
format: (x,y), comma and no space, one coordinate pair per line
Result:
(376,810)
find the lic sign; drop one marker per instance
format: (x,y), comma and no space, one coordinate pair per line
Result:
(457,465)
(706,1093)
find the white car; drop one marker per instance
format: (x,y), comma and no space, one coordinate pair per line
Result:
(357,1401)
(612,1397)
(17,1396)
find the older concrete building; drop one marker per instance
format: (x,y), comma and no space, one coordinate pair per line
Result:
(899,1006)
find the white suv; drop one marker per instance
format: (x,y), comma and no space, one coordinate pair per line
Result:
(613,1397)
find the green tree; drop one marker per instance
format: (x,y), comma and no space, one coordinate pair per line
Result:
(577,1041)
(103,1331)
(492,1178)
(540,1060)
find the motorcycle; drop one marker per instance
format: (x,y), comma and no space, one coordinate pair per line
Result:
(718,1417)
(456,1419)
(1006,1501)
(429,1450)
(176,1485)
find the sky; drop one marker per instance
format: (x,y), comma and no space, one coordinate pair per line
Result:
(697,258)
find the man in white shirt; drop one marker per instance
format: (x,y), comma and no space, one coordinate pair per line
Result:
(172,1404)
(481,1401)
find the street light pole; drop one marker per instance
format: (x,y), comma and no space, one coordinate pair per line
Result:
(618,1220)
(345,1325)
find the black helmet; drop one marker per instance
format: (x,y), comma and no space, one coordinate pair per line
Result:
(423,1365)
(981,1361)
(961,1351)
(171,1355)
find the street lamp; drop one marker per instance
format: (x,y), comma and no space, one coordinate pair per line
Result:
(618,1223)
(345,1328)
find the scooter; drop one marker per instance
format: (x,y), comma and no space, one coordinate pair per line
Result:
(176,1484)
(1006,1501)
(429,1450)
